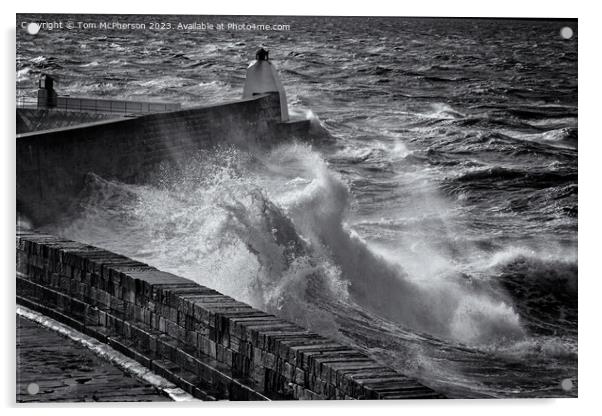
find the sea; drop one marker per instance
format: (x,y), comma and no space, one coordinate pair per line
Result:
(432,220)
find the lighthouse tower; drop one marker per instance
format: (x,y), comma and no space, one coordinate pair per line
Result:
(262,77)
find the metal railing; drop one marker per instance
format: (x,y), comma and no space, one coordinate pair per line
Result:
(23,101)
(112,106)
(97,105)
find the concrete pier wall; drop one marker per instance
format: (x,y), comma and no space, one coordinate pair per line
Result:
(52,164)
(209,344)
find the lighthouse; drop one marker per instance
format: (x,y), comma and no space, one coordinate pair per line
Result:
(262,77)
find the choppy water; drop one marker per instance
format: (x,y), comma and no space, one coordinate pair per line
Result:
(434,226)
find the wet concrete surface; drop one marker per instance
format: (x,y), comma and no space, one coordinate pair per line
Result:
(52,368)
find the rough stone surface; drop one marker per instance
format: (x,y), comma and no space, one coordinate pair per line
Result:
(192,335)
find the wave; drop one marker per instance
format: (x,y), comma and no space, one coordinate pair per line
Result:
(23,74)
(90,64)
(101,88)
(38,59)
(543,285)
(523,177)
(564,135)
(375,152)
(536,349)
(280,221)
(444,111)
(547,271)
(439,78)
(45,62)
(542,112)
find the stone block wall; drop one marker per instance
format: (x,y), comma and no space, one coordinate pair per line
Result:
(209,344)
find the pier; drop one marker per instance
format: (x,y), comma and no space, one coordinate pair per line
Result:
(210,345)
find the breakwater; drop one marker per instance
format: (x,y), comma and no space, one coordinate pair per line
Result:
(208,344)
(211,345)
(52,164)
